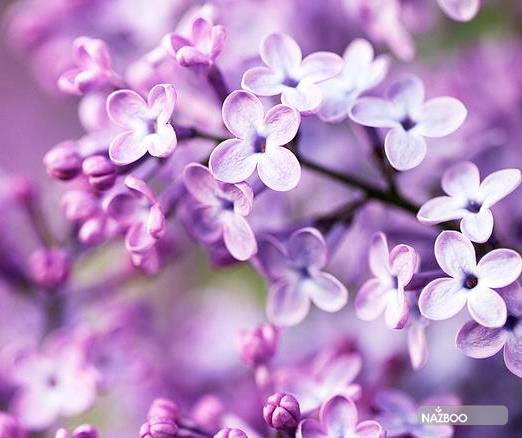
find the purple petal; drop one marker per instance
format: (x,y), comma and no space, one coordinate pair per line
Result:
(455,254)
(138,239)
(512,295)
(201,184)
(241,195)
(306,98)
(124,107)
(340,371)
(140,188)
(407,93)
(189,56)
(396,313)
(461,179)
(262,81)
(441,209)
(87,51)
(172,42)
(233,160)
(320,66)
(280,52)
(369,429)
(487,307)
(498,185)
(371,300)
(156,222)
(279,169)
(162,100)
(372,111)
(287,305)
(242,113)
(238,236)
(480,342)
(404,150)
(499,268)
(326,292)
(442,299)
(310,429)
(271,258)
(460,10)
(162,143)
(217,41)
(339,416)
(477,227)
(201,31)
(307,248)
(513,355)
(281,124)
(403,263)
(379,256)
(440,116)
(126,148)
(417,345)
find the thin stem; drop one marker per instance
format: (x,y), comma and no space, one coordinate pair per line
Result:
(35,215)
(378,152)
(217,82)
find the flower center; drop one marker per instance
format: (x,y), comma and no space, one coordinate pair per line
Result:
(226,204)
(52,381)
(470,281)
(260,144)
(290,82)
(511,322)
(407,123)
(152,126)
(473,206)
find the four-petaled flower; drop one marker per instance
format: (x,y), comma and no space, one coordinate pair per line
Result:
(460,10)
(480,342)
(288,74)
(296,275)
(410,119)
(259,142)
(202,47)
(469,199)
(361,71)
(470,282)
(221,211)
(339,419)
(393,270)
(146,125)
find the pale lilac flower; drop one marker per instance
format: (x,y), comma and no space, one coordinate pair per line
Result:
(92,69)
(469,282)
(258,144)
(202,47)
(339,419)
(146,125)
(481,342)
(469,199)
(361,71)
(288,74)
(295,271)
(460,10)
(222,209)
(410,119)
(393,270)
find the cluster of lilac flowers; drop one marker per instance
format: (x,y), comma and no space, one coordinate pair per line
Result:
(225,150)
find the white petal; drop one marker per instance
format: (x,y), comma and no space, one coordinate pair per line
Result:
(441,209)
(498,185)
(404,150)
(455,254)
(487,307)
(478,226)
(442,299)
(499,268)
(372,111)
(462,179)
(440,116)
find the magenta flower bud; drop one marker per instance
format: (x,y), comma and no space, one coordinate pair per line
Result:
(230,433)
(281,411)
(63,161)
(163,408)
(85,431)
(159,428)
(49,267)
(9,427)
(100,171)
(259,345)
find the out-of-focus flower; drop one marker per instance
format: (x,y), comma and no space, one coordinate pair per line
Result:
(481,342)
(163,408)
(288,74)
(417,343)
(100,171)
(146,125)
(49,267)
(470,282)
(208,412)
(339,418)
(159,428)
(361,71)
(410,119)
(460,10)
(63,161)
(469,199)
(230,433)
(258,346)
(83,431)
(295,271)
(202,47)
(259,143)
(393,270)
(281,411)
(9,427)
(221,211)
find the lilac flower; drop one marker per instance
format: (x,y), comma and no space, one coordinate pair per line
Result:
(410,119)
(393,270)
(159,428)
(146,125)
(481,342)
(360,73)
(202,47)
(281,411)
(259,345)
(258,143)
(297,277)
(460,10)
(339,419)
(469,199)
(470,282)
(288,74)
(93,67)
(221,211)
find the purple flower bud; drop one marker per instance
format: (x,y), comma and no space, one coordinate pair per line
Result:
(9,427)
(208,412)
(163,408)
(230,433)
(101,172)
(63,161)
(259,345)
(159,428)
(49,267)
(85,431)
(281,411)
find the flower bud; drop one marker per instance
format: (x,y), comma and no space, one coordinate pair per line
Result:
(100,171)
(281,411)
(208,412)
(49,267)
(85,431)
(258,346)
(230,433)
(163,408)
(9,427)
(63,161)
(159,428)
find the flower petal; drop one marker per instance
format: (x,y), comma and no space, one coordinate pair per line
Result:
(310,429)
(395,402)
(371,300)
(339,416)
(271,258)
(499,267)
(477,227)
(241,195)
(281,124)
(404,150)
(280,52)
(238,236)
(513,355)
(403,263)
(480,342)
(369,429)
(396,313)
(320,66)
(279,169)
(307,248)
(460,10)
(126,148)
(162,100)
(462,179)
(441,209)
(498,185)
(287,305)
(487,307)
(305,98)
(242,113)
(440,116)
(372,111)
(201,184)
(407,93)
(512,295)
(326,292)
(233,161)
(379,257)
(262,81)
(442,299)
(124,107)
(455,254)
(334,105)
(417,345)
(163,142)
